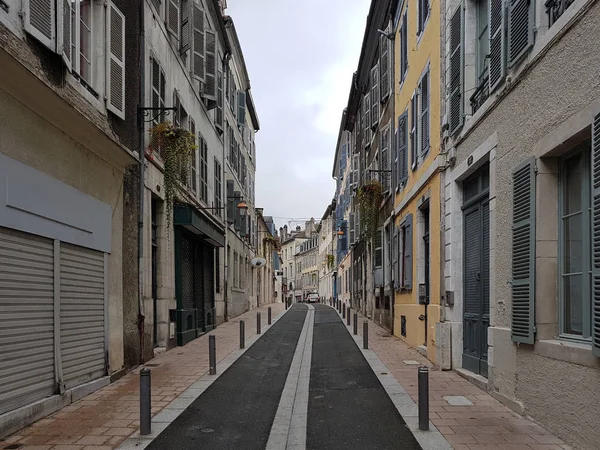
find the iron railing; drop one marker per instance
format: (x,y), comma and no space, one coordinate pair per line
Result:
(480,95)
(555,9)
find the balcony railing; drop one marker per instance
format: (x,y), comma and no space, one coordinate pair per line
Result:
(555,9)
(480,95)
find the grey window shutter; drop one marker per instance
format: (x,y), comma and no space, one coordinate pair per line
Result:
(172,17)
(394,258)
(385,72)
(414,115)
(523,253)
(238,216)
(404,48)
(394,161)
(375,95)
(230,202)
(596,236)
(38,21)
(65,44)
(115,70)
(402,149)
(367,118)
(407,252)
(497,64)
(186,26)
(456,70)
(241,116)
(210,81)
(425,114)
(219,114)
(520,29)
(352,228)
(198,43)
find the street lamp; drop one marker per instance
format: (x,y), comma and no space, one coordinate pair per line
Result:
(243,207)
(340,234)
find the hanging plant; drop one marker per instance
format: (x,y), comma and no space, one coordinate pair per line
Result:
(330,261)
(370,196)
(175,146)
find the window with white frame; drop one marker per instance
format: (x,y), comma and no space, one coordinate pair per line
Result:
(203,147)
(218,187)
(424,88)
(422,15)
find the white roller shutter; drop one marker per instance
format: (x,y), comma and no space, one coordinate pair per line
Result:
(82,345)
(26,319)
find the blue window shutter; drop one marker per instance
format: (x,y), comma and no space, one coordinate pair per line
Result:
(596,236)
(523,253)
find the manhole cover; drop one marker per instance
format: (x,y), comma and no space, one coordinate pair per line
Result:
(207,430)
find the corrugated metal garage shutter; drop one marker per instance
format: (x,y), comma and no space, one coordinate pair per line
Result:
(81,314)
(26,319)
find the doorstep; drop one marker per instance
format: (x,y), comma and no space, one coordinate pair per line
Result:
(480,381)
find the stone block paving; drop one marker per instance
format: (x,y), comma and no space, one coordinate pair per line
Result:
(485,424)
(105,418)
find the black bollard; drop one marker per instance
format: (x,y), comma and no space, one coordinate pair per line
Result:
(212,355)
(423,398)
(348,316)
(242,334)
(257,323)
(269,316)
(344,311)
(145,402)
(355,324)
(365,334)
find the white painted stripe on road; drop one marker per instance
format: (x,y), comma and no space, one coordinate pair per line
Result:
(288,431)
(174,409)
(408,409)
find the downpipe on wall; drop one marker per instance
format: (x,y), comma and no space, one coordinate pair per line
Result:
(141,312)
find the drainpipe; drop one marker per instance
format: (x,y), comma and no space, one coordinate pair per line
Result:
(141,315)
(226,58)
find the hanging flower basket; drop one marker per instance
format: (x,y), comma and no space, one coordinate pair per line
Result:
(175,146)
(330,261)
(370,196)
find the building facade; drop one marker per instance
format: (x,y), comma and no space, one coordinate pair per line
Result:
(290,243)
(520,190)
(69,137)
(326,260)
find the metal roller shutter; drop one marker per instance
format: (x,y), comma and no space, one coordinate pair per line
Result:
(81,314)
(26,319)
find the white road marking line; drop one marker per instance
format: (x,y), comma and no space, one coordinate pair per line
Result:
(289,427)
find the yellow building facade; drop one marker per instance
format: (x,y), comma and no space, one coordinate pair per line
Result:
(417,74)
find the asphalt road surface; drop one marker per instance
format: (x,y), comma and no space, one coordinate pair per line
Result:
(347,406)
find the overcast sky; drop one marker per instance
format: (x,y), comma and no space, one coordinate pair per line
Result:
(300,57)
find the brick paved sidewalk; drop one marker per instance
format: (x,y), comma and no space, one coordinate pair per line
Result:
(102,420)
(485,425)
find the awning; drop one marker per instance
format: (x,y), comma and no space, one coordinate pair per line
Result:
(188,217)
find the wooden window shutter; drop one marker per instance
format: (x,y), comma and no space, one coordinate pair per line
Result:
(65,32)
(367,116)
(497,65)
(198,43)
(407,252)
(596,236)
(456,105)
(375,95)
(385,74)
(394,161)
(414,118)
(210,82)
(115,70)
(231,205)
(352,229)
(404,48)
(394,257)
(425,114)
(238,217)
(186,26)
(38,21)
(402,143)
(172,17)
(520,28)
(219,114)
(523,253)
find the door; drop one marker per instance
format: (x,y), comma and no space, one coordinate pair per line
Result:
(476,311)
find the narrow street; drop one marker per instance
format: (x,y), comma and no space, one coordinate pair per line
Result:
(344,407)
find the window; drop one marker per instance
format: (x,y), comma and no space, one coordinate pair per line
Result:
(575,259)
(555,9)
(235,270)
(81,40)
(158,89)
(193,175)
(422,15)
(482,55)
(218,186)
(377,245)
(385,157)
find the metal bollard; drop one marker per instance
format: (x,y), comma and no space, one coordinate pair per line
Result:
(242,334)
(365,334)
(145,405)
(423,398)
(344,311)
(348,316)
(269,316)
(257,323)
(355,324)
(212,355)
